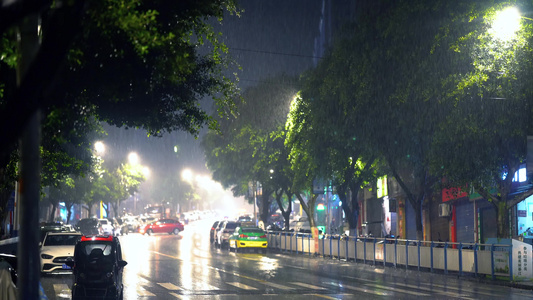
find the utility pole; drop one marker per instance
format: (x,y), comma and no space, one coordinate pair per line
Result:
(30,180)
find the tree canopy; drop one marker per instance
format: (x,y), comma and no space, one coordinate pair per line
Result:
(142,64)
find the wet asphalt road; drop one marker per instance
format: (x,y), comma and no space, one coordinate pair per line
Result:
(186,266)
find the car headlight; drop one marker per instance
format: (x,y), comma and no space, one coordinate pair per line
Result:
(46,256)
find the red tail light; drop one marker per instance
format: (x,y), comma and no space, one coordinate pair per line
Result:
(243,236)
(263,236)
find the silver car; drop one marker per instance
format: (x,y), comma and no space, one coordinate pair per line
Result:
(107,226)
(223,233)
(56,249)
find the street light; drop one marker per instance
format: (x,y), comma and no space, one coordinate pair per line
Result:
(133,158)
(186,175)
(506,24)
(146,172)
(99,147)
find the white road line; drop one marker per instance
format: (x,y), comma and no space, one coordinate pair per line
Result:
(360,289)
(274,285)
(62,290)
(396,289)
(456,289)
(241,286)
(169,286)
(143,293)
(451,294)
(309,286)
(325,296)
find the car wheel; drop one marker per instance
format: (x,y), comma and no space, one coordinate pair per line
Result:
(149,231)
(176,231)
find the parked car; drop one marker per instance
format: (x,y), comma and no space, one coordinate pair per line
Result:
(52,227)
(97,268)
(245,237)
(245,219)
(89,226)
(56,249)
(119,227)
(170,226)
(107,226)
(300,225)
(212,232)
(132,223)
(9,262)
(224,231)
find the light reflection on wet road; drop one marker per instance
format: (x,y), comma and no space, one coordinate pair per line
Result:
(188,267)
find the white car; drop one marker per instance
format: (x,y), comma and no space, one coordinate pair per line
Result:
(107,226)
(300,225)
(56,248)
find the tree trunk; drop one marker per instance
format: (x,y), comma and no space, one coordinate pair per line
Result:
(52,213)
(419,226)
(116,206)
(264,212)
(286,213)
(503,220)
(69,212)
(309,208)
(89,210)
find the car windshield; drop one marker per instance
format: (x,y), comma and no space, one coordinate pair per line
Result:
(231,225)
(104,222)
(252,230)
(89,248)
(87,222)
(61,240)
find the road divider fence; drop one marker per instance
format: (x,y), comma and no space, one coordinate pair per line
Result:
(492,260)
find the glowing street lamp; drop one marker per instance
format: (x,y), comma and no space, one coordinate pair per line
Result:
(146,172)
(99,147)
(506,24)
(133,158)
(186,175)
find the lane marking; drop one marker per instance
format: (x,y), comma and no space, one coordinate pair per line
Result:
(396,289)
(359,289)
(141,292)
(275,285)
(62,290)
(325,296)
(460,289)
(305,285)
(451,294)
(241,285)
(169,286)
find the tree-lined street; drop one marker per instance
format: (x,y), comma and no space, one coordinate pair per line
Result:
(188,267)
(377,112)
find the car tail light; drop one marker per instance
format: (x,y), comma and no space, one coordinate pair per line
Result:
(263,236)
(243,236)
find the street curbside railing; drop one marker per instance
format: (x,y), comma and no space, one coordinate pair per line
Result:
(491,260)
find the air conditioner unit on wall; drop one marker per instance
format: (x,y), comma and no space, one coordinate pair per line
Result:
(445,210)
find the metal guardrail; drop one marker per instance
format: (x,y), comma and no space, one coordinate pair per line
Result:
(470,258)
